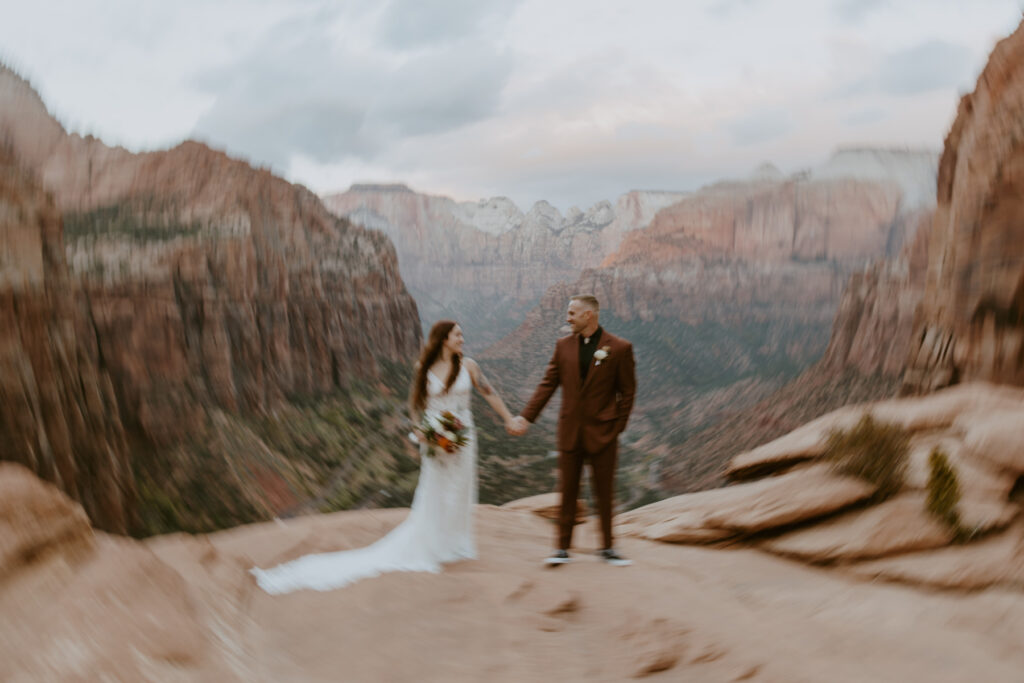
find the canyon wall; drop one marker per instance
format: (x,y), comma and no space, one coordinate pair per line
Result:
(487,263)
(971,322)
(194,282)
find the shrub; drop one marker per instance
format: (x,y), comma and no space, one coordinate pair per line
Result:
(873,451)
(944,492)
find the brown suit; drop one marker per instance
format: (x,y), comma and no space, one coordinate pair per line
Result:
(594,413)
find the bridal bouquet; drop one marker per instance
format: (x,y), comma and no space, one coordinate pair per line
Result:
(444,431)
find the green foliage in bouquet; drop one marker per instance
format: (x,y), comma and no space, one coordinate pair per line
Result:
(444,432)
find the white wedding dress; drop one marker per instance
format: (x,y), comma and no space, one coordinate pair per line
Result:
(439,527)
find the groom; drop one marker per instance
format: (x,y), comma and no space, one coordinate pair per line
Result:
(596,372)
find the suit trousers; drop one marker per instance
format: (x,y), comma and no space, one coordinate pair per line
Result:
(602,478)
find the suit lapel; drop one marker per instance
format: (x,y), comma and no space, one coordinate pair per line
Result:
(590,377)
(603,342)
(574,362)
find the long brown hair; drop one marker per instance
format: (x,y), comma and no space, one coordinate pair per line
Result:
(428,356)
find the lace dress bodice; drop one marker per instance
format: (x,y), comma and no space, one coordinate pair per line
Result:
(456,399)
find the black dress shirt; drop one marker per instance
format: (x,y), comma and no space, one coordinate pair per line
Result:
(587,350)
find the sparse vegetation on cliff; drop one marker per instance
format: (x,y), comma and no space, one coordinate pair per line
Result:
(873,451)
(126,221)
(944,491)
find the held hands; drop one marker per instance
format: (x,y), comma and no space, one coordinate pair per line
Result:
(517,426)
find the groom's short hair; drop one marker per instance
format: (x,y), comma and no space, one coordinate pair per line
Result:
(589,300)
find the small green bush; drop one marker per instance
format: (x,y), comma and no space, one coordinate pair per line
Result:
(943,490)
(873,451)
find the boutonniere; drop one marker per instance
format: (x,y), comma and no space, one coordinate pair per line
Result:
(601,354)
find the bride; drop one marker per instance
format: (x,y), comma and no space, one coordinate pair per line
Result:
(439,527)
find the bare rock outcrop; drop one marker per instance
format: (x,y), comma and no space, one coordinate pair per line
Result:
(120,613)
(971,322)
(717,514)
(812,514)
(997,437)
(948,413)
(37,522)
(995,561)
(896,526)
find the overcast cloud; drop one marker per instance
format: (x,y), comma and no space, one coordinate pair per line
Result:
(572,102)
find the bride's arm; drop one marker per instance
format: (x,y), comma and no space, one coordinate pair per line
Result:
(415,415)
(487,391)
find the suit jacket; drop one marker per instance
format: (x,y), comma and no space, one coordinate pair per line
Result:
(594,411)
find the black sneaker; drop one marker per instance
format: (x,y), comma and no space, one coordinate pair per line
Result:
(558,557)
(609,556)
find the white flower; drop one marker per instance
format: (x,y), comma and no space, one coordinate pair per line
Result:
(600,354)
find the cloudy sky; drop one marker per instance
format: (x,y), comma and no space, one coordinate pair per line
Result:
(572,101)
